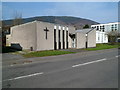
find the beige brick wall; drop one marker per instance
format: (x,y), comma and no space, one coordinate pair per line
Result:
(92,38)
(33,35)
(25,35)
(80,40)
(42,42)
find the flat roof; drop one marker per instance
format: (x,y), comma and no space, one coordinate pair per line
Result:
(84,30)
(106,24)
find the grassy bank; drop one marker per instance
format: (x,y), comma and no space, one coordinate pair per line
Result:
(46,53)
(102,46)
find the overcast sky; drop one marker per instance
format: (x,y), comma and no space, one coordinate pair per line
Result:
(102,12)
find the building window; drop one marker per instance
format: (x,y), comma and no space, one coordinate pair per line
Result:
(55,43)
(59,41)
(67,39)
(103,28)
(112,27)
(100,27)
(98,38)
(115,25)
(97,27)
(94,27)
(63,39)
(7,31)
(105,38)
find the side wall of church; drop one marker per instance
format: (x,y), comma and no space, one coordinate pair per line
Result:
(42,42)
(54,36)
(92,38)
(24,36)
(32,36)
(80,40)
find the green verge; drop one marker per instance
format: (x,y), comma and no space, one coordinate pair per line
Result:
(46,53)
(102,46)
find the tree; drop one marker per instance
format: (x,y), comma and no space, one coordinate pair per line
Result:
(112,36)
(17,18)
(86,26)
(75,27)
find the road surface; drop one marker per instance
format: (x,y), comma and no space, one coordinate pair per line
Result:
(95,69)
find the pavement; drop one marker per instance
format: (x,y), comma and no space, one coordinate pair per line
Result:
(13,59)
(93,69)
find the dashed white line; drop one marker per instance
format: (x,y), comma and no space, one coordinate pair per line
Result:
(11,65)
(35,74)
(89,62)
(117,56)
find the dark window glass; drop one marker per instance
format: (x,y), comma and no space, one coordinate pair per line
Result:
(55,43)
(67,39)
(59,39)
(63,39)
(97,27)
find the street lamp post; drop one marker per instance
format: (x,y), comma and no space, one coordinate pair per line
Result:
(86,40)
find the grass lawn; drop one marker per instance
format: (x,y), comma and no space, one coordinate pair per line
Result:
(46,53)
(102,46)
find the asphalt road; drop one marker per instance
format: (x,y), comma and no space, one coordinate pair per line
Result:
(97,69)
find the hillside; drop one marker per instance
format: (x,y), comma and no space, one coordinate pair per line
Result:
(64,20)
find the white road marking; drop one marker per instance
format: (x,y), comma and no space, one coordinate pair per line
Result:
(35,74)
(89,62)
(11,65)
(25,63)
(117,56)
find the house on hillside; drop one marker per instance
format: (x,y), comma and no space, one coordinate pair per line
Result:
(38,35)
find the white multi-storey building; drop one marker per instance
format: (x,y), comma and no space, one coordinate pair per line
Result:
(107,27)
(103,29)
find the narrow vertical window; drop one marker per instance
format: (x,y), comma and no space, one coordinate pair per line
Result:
(55,43)
(63,39)
(67,39)
(59,39)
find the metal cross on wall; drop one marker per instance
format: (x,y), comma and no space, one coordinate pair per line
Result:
(46,31)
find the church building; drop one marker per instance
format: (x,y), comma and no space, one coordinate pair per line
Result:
(38,36)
